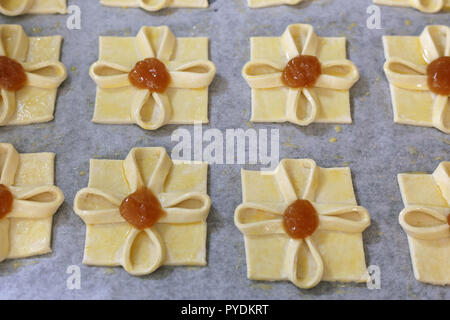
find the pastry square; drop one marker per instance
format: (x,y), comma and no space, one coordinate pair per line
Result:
(19,7)
(185,101)
(156,5)
(177,238)
(26,229)
(333,252)
(426,220)
(270,3)
(39,58)
(424,6)
(326,101)
(407,61)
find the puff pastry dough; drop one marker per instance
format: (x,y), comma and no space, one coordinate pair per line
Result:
(26,230)
(39,57)
(179,238)
(19,7)
(333,253)
(269,3)
(156,5)
(184,102)
(425,221)
(407,59)
(428,6)
(272,101)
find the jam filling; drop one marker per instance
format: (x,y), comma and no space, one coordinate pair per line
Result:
(141,209)
(300,220)
(438,73)
(12,74)
(6,201)
(150,74)
(302,72)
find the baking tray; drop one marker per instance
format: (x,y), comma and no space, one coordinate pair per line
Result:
(374,147)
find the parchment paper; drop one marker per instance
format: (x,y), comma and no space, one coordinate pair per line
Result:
(374,147)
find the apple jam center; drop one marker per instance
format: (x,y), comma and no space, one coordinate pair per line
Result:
(150,74)
(300,219)
(141,209)
(438,73)
(6,201)
(12,74)
(302,72)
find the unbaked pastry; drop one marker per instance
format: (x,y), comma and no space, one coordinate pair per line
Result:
(178,238)
(334,252)
(426,220)
(19,7)
(328,101)
(406,66)
(39,56)
(26,230)
(156,4)
(428,6)
(184,102)
(269,3)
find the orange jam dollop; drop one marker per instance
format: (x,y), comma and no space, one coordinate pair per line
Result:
(302,72)
(141,209)
(150,74)
(438,73)
(12,74)
(300,219)
(6,201)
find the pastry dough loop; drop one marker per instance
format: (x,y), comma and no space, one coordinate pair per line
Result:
(184,75)
(269,3)
(17,8)
(153,5)
(176,206)
(31,202)
(332,217)
(430,223)
(45,74)
(435,42)
(300,39)
(427,6)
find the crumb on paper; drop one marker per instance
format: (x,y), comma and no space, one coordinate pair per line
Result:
(36,30)
(412,151)
(333,140)
(109,271)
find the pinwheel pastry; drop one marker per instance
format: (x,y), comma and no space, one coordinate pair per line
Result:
(152,79)
(426,221)
(428,6)
(270,3)
(28,201)
(145,212)
(19,7)
(418,70)
(300,78)
(301,223)
(30,74)
(156,5)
